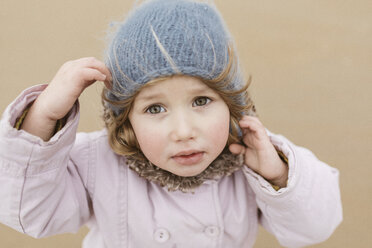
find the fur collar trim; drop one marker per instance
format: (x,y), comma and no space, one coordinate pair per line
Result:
(224,165)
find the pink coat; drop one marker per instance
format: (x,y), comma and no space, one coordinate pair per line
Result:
(58,186)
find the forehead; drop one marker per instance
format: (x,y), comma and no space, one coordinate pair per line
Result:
(174,85)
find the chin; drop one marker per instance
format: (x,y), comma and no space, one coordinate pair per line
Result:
(188,173)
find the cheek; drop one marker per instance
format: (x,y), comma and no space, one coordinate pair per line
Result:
(151,143)
(219,130)
(219,133)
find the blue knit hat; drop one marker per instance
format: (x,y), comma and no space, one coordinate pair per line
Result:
(167,37)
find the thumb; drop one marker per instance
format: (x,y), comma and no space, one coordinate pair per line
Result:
(236,149)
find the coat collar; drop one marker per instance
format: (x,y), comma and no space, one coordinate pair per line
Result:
(225,164)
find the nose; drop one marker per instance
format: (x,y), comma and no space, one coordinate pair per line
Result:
(182,127)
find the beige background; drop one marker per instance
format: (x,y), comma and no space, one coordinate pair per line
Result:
(310,61)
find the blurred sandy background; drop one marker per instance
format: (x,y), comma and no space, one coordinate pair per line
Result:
(310,61)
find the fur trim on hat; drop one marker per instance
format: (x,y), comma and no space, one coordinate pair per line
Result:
(224,165)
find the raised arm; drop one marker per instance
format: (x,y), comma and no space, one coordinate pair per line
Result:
(58,98)
(305,208)
(306,211)
(43,178)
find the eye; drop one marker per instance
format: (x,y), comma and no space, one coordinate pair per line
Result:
(201,101)
(155,109)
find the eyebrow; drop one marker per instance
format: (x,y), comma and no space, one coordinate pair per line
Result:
(151,96)
(201,90)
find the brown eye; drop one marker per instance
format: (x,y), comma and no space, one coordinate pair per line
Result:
(155,109)
(201,101)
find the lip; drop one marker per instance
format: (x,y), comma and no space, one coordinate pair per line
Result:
(189,157)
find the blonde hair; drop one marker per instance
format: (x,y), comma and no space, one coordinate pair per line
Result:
(122,138)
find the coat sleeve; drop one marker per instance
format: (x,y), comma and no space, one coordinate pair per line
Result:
(43,190)
(309,209)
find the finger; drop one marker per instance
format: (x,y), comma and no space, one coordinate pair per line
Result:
(236,149)
(248,127)
(94,63)
(251,119)
(90,76)
(253,123)
(255,136)
(252,133)
(252,126)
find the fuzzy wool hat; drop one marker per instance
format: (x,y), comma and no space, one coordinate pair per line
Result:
(168,37)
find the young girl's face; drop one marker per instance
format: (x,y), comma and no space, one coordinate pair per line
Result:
(181,124)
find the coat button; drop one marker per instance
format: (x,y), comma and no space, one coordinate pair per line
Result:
(212,231)
(161,235)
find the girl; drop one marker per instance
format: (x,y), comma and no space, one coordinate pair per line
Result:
(183,160)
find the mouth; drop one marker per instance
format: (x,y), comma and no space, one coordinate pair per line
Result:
(188,157)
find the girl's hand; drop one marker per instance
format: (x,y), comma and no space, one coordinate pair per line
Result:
(259,153)
(70,81)
(60,95)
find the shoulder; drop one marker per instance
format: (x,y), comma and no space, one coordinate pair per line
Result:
(94,159)
(97,136)
(90,144)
